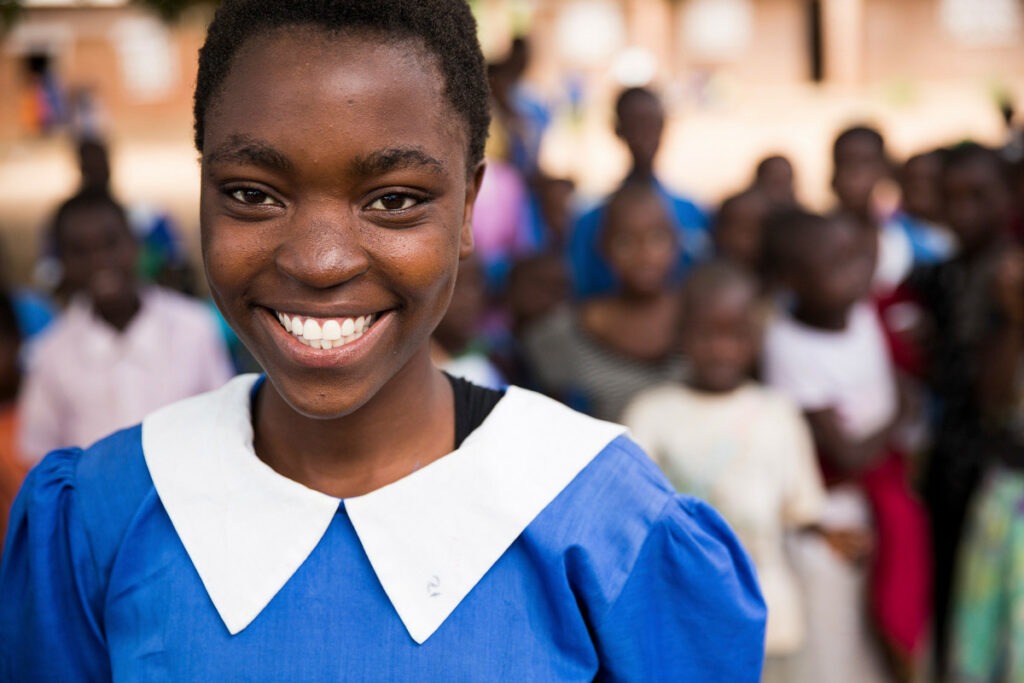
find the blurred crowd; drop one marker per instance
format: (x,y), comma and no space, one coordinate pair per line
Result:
(845,388)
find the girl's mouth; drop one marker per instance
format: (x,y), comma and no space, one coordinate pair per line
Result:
(326,333)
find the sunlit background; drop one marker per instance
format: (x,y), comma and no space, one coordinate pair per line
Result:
(741,79)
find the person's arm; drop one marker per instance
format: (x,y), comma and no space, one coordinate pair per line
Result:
(848,455)
(1000,353)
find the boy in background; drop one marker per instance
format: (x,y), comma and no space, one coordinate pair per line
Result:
(120,350)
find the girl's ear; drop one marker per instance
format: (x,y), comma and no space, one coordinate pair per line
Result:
(472,190)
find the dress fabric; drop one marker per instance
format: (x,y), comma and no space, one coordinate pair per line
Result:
(988,619)
(749,453)
(616,579)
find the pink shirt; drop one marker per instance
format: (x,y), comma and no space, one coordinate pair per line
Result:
(85,379)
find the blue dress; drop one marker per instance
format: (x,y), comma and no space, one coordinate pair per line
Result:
(109,575)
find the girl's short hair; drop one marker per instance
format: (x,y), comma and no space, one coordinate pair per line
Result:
(446,28)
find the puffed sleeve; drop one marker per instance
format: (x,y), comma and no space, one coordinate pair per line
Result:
(690,610)
(50,590)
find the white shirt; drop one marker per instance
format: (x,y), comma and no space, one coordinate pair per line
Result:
(750,454)
(85,379)
(848,370)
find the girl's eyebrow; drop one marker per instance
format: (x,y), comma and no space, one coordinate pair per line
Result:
(245,149)
(394,158)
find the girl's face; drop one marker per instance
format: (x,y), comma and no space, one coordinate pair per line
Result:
(99,256)
(738,232)
(335,206)
(836,270)
(640,244)
(977,202)
(720,337)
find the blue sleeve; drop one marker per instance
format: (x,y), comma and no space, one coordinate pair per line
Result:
(691,609)
(50,588)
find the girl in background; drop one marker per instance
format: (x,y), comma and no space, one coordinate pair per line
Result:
(742,447)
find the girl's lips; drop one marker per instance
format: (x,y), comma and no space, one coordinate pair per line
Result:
(325,353)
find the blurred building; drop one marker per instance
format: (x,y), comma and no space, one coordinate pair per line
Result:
(134,69)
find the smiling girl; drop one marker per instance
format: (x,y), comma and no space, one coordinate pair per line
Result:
(356,515)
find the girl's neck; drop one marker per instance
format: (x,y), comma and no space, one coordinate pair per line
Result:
(829,320)
(408,424)
(640,327)
(640,173)
(120,314)
(631,299)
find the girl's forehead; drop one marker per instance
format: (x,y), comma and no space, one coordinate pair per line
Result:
(314,88)
(322,48)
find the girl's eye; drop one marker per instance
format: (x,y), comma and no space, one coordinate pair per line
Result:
(394,202)
(252,197)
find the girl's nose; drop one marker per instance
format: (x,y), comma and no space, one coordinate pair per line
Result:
(323,249)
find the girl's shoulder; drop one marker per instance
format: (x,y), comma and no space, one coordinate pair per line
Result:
(99,488)
(633,550)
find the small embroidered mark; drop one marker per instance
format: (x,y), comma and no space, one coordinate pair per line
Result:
(434,586)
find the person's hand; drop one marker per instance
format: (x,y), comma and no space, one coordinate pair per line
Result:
(853,544)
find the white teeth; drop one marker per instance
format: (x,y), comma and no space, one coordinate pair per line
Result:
(332,330)
(330,335)
(311,330)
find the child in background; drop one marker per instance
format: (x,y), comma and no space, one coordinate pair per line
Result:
(537,287)
(639,123)
(828,353)
(956,298)
(773,177)
(120,350)
(921,208)
(744,448)
(598,354)
(738,228)
(987,613)
(459,346)
(860,164)
(12,470)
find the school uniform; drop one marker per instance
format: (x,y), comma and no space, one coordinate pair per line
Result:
(546,547)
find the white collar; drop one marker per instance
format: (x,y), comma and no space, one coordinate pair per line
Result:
(430,536)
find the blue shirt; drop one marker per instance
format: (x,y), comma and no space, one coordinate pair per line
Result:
(617,579)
